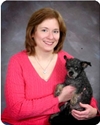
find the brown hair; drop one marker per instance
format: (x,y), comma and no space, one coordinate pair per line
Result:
(37,18)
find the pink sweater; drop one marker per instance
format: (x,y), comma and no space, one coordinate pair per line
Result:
(29,98)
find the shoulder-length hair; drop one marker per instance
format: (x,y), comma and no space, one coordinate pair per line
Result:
(37,18)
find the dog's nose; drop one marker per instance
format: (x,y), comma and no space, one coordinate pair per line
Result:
(71,73)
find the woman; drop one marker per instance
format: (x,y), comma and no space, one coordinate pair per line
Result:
(33,74)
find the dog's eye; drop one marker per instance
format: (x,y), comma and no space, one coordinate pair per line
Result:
(76,68)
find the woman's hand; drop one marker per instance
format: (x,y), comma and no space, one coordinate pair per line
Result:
(88,113)
(66,93)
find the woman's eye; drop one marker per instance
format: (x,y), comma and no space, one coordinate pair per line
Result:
(44,30)
(56,31)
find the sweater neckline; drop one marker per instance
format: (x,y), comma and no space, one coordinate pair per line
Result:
(32,67)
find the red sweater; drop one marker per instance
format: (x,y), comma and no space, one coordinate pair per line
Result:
(29,98)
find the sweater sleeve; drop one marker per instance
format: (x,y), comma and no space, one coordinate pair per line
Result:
(18,106)
(94,104)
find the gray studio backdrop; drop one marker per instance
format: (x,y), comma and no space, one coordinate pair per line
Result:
(82,40)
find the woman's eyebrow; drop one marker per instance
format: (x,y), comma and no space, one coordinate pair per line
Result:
(48,28)
(44,27)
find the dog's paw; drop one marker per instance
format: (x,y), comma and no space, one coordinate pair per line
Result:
(58,89)
(53,116)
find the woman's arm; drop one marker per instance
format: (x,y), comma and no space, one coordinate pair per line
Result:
(18,105)
(95,105)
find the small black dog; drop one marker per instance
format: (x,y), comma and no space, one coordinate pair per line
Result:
(76,77)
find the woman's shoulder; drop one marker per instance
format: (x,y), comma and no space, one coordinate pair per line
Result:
(62,53)
(19,55)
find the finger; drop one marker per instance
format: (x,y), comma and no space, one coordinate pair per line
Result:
(83,105)
(76,112)
(75,115)
(79,113)
(78,117)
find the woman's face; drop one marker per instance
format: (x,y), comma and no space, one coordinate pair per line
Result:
(47,35)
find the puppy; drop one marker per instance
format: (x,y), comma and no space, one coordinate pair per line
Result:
(76,77)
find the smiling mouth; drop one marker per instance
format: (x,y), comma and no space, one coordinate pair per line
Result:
(48,43)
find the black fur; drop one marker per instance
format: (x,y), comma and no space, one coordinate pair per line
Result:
(76,77)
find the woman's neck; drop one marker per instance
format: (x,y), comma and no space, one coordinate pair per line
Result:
(42,55)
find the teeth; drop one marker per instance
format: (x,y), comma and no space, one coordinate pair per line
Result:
(49,43)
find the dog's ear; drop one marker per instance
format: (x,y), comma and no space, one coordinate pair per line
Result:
(85,64)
